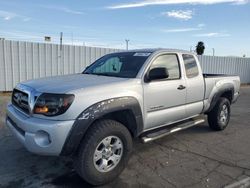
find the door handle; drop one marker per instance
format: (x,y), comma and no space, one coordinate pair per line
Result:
(181,87)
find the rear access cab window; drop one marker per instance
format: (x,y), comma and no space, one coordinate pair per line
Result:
(190,65)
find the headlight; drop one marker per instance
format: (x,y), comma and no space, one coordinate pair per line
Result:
(53,104)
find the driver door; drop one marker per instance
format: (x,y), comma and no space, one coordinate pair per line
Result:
(164,100)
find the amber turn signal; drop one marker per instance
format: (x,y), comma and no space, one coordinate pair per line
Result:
(40,110)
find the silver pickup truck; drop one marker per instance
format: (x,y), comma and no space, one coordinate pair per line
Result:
(93,116)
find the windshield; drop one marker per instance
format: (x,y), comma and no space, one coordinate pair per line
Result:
(123,64)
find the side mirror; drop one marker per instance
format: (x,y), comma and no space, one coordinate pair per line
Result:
(157,74)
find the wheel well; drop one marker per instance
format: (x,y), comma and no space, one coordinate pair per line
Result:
(228,95)
(125,117)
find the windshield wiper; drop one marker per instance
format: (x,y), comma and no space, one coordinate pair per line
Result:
(98,74)
(103,74)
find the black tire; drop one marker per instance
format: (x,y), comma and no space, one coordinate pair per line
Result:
(214,118)
(84,163)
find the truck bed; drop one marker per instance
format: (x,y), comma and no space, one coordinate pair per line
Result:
(212,80)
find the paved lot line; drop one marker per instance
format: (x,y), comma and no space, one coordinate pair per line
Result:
(242,183)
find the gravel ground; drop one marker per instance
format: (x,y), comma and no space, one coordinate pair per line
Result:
(197,157)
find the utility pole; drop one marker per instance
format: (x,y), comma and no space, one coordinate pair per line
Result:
(191,48)
(126,40)
(61,38)
(213,51)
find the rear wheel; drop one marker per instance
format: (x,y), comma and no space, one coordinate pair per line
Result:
(219,117)
(104,152)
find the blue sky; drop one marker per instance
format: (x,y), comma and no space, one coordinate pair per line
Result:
(222,24)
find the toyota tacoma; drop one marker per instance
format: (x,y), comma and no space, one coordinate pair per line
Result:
(94,116)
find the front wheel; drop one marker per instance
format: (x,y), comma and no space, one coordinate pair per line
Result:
(104,152)
(218,118)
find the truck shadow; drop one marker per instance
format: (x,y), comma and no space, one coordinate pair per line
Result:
(200,129)
(72,179)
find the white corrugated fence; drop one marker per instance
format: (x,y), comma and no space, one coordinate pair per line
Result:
(227,65)
(21,61)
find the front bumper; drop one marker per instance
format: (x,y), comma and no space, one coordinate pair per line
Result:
(40,136)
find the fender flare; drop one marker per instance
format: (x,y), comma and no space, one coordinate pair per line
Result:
(218,94)
(96,111)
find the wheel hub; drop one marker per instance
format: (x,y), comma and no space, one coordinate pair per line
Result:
(224,114)
(108,154)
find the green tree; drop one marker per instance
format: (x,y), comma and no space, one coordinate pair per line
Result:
(200,48)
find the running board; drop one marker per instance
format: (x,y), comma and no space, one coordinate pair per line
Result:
(167,131)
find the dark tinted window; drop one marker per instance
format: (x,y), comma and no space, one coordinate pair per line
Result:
(123,64)
(170,61)
(190,66)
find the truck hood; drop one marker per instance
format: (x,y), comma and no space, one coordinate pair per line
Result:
(68,83)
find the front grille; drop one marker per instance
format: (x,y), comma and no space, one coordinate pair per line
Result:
(20,100)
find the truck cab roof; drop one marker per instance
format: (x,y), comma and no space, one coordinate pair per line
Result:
(153,50)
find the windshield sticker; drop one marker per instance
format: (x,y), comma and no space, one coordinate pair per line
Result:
(142,54)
